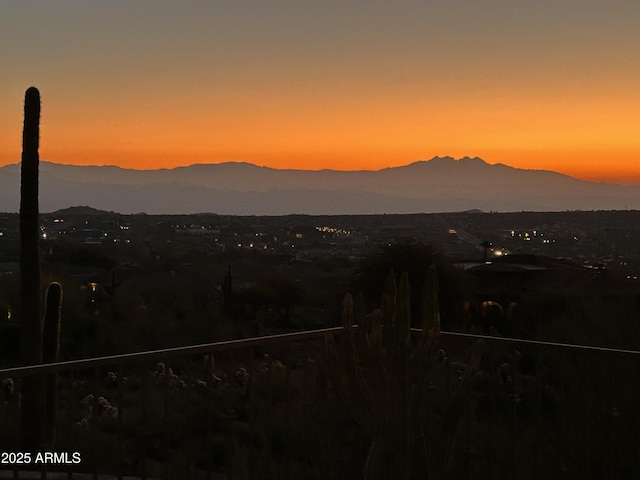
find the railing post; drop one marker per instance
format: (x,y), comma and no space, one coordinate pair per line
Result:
(493,384)
(637,375)
(588,418)
(144,385)
(538,412)
(514,425)
(163,388)
(119,386)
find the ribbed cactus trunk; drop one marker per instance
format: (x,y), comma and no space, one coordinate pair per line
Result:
(388,379)
(50,352)
(32,424)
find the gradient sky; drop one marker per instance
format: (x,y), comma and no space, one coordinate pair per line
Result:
(327,84)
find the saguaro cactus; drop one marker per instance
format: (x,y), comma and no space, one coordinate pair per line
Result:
(30,231)
(31,326)
(387,376)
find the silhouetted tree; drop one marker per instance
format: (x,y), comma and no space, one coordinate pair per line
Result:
(112,289)
(486,245)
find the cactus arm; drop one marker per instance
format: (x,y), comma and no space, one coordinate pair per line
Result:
(50,353)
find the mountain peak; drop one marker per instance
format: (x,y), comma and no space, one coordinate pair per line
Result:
(450,161)
(442,184)
(476,160)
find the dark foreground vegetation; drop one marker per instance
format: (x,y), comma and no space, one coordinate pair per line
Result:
(279,410)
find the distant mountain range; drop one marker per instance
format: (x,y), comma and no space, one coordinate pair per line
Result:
(442,184)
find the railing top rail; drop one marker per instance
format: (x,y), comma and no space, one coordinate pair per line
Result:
(213,347)
(165,352)
(542,344)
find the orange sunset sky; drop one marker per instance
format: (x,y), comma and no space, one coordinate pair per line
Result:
(333,84)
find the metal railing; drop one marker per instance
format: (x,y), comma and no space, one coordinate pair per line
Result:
(263,408)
